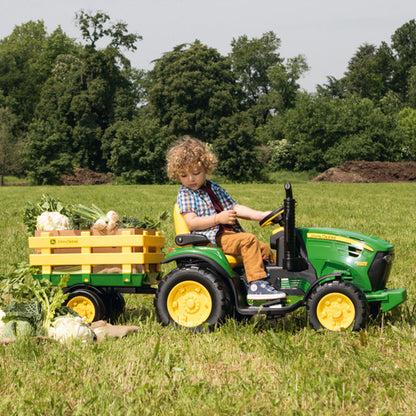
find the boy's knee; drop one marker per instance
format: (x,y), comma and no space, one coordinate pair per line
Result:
(250,239)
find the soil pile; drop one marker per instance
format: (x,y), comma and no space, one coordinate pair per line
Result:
(370,172)
(86,177)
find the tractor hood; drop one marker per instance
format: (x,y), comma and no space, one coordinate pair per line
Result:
(359,240)
(366,259)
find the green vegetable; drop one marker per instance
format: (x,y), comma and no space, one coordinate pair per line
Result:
(16,283)
(30,312)
(150,223)
(47,204)
(83,217)
(130,222)
(17,329)
(36,301)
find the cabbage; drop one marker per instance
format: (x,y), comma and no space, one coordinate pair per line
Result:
(25,311)
(66,328)
(17,329)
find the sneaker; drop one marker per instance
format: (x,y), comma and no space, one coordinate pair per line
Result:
(262,290)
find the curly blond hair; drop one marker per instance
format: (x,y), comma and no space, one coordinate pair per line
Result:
(187,154)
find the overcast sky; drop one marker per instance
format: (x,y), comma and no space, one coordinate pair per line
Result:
(326,32)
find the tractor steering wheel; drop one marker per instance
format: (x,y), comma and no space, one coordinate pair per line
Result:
(273,218)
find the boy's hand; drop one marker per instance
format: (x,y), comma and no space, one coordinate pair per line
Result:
(228,217)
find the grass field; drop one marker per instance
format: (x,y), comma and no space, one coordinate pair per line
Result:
(255,368)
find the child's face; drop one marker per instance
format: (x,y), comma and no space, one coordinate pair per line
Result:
(193,178)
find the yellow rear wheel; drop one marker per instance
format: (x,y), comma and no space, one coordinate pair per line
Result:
(193,298)
(189,304)
(335,311)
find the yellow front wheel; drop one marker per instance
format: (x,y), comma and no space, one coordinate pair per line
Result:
(336,306)
(193,298)
(335,311)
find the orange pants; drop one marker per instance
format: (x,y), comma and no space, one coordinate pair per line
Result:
(249,248)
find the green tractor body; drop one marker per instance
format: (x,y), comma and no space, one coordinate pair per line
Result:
(340,276)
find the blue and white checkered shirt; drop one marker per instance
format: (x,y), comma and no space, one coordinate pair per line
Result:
(199,202)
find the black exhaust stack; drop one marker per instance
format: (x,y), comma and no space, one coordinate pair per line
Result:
(291,260)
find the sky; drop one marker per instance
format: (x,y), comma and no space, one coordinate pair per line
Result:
(327,32)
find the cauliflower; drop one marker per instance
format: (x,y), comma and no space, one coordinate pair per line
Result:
(2,315)
(66,328)
(52,221)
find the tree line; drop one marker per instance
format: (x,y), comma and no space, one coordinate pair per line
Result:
(66,104)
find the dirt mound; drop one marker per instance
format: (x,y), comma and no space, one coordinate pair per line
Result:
(86,177)
(370,172)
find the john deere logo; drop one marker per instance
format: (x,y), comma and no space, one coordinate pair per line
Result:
(52,241)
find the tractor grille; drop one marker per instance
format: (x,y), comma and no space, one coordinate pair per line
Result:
(379,270)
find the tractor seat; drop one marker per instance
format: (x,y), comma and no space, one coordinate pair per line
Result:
(184,237)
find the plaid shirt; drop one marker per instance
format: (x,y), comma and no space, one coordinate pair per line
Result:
(199,202)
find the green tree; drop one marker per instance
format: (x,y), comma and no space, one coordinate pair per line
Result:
(98,26)
(411,88)
(333,88)
(48,152)
(251,59)
(191,89)
(323,132)
(26,59)
(85,94)
(407,128)
(10,145)
(268,82)
(404,46)
(238,149)
(136,150)
(284,83)
(370,71)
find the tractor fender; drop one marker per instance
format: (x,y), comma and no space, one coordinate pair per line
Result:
(198,259)
(327,278)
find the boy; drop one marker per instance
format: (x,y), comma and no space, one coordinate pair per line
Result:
(208,209)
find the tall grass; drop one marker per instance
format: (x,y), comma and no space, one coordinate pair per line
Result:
(246,368)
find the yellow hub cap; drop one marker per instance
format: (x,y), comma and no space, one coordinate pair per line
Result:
(335,311)
(83,307)
(189,304)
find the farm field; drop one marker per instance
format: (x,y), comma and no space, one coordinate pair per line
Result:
(258,367)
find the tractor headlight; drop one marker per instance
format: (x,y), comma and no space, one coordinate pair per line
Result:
(379,270)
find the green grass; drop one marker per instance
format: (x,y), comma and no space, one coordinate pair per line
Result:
(260,367)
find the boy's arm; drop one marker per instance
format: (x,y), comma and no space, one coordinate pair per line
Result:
(247,213)
(195,223)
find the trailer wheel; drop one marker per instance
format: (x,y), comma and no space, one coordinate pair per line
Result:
(114,304)
(87,304)
(336,306)
(192,298)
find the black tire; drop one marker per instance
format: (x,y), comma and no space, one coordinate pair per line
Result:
(336,306)
(114,304)
(192,298)
(374,310)
(87,304)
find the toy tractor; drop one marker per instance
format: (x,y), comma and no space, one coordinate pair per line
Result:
(339,276)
